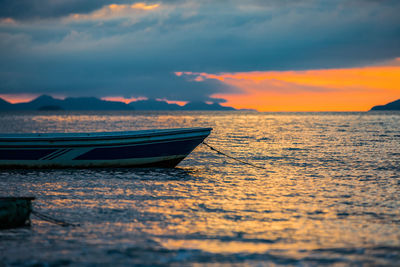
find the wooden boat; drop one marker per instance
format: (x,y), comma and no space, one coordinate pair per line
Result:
(147,148)
(15,211)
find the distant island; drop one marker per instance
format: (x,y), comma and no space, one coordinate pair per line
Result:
(50,108)
(46,103)
(395,105)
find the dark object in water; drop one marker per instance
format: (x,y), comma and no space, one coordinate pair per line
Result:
(15,211)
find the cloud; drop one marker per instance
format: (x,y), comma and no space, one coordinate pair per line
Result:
(134,48)
(35,9)
(5,21)
(113,11)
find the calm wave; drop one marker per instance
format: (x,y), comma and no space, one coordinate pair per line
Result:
(329,194)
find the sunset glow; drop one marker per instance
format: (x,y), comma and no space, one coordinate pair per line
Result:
(126,100)
(187,132)
(18,98)
(179,103)
(353,89)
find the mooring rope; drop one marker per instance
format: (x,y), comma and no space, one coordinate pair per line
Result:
(51,219)
(228,156)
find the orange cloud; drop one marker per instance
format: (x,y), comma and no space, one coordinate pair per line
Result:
(113,11)
(8,21)
(352,89)
(143,6)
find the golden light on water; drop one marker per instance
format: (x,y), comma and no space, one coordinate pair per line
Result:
(328,190)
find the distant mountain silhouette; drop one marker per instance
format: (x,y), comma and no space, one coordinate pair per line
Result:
(4,105)
(81,103)
(205,106)
(50,108)
(395,105)
(45,102)
(92,103)
(37,103)
(152,104)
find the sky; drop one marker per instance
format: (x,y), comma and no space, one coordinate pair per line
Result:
(269,55)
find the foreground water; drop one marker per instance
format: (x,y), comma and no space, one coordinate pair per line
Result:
(329,194)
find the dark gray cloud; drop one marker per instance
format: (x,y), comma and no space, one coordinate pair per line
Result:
(34,9)
(135,53)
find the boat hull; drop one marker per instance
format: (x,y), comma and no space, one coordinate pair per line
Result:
(151,148)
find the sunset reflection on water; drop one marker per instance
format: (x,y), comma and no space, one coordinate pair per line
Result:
(328,193)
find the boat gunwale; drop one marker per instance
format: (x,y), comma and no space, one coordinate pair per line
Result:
(146,142)
(98,136)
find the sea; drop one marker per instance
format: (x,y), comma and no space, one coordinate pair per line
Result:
(327,194)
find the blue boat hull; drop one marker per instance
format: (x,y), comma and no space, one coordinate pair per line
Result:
(152,148)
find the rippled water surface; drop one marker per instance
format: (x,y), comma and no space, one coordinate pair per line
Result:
(329,194)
